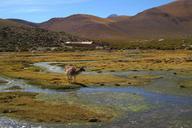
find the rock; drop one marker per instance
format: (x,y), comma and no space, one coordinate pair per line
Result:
(80,84)
(56,79)
(55,120)
(94,120)
(9,111)
(14,88)
(3,82)
(157,61)
(182,86)
(40,120)
(117,85)
(175,73)
(99,71)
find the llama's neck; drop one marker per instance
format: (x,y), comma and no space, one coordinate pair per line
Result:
(78,72)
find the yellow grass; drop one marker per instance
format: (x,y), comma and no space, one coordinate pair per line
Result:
(18,65)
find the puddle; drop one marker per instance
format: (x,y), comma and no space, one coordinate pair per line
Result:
(49,67)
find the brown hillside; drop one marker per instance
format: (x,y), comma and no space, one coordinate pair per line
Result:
(10,23)
(83,25)
(181,9)
(119,18)
(19,37)
(171,20)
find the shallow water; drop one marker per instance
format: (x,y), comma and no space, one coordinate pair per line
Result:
(49,67)
(160,104)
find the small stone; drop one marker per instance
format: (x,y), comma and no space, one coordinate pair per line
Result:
(182,86)
(9,111)
(56,79)
(94,120)
(14,88)
(40,120)
(175,73)
(117,85)
(99,71)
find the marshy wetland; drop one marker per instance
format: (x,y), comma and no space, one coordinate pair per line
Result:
(119,89)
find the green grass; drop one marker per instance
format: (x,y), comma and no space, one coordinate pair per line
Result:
(25,106)
(166,44)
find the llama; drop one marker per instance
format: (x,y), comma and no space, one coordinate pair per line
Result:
(72,72)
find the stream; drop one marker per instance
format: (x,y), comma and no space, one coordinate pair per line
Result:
(160,104)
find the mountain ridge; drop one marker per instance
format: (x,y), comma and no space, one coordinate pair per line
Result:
(172,19)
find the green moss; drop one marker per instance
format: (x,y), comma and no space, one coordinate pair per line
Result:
(166,44)
(14,88)
(25,106)
(144,77)
(46,84)
(138,108)
(186,84)
(35,69)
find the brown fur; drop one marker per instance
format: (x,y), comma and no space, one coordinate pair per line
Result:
(72,72)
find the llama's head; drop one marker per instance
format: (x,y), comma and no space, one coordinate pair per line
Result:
(82,69)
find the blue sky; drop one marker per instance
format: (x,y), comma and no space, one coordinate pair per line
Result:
(42,10)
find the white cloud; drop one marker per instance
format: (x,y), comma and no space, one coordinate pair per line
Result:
(38,2)
(32,6)
(30,10)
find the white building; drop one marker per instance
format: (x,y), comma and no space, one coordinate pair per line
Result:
(84,42)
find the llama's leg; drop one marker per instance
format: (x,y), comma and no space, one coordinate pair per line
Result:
(71,79)
(74,79)
(68,79)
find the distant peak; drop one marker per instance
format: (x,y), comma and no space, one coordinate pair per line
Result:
(112,16)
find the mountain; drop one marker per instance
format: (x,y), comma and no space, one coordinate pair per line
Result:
(112,16)
(180,9)
(173,19)
(119,18)
(10,23)
(151,23)
(24,22)
(19,37)
(82,25)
